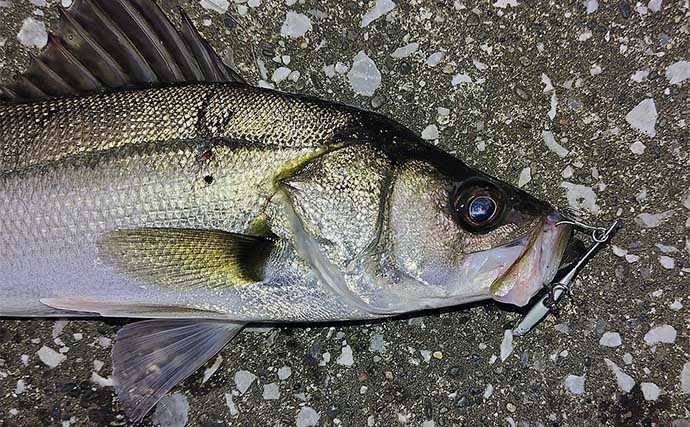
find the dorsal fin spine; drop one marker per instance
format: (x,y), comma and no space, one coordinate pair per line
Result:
(6,93)
(200,53)
(222,69)
(88,80)
(134,60)
(116,71)
(26,86)
(150,48)
(56,84)
(169,34)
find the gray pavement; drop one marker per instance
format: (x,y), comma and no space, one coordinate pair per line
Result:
(600,78)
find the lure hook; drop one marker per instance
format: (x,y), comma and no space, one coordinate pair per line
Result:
(547,304)
(598,234)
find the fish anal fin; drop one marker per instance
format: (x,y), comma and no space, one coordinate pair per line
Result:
(151,357)
(102,45)
(187,258)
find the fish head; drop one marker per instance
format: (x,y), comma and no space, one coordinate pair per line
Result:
(468,236)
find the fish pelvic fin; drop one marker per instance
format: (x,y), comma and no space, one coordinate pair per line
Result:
(103,45)
(187,258)
(152,356)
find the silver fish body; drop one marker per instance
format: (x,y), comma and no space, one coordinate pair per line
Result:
(142,177)
(196,157)
(217,157)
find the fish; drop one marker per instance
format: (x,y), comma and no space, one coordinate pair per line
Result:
(141,177)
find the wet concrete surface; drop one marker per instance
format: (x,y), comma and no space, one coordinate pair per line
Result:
(520,68)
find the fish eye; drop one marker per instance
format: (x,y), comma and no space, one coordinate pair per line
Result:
(478,206)
(481,209)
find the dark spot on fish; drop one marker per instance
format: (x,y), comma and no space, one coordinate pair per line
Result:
(624,9)
(208,179)
(404,67)
(206,155)
(211,126)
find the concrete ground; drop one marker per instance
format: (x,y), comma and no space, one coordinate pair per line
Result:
(604,80)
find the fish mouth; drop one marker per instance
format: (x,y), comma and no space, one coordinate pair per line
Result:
(536,266)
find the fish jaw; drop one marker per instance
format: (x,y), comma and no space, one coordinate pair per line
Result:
(536,266)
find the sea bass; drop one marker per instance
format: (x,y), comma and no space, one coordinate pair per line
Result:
(141,177)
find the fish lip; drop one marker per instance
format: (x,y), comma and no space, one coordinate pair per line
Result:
(533,238)
(551,240)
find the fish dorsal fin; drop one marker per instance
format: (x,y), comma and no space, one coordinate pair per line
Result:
(102,45)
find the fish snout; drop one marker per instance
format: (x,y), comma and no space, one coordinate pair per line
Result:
(538,264)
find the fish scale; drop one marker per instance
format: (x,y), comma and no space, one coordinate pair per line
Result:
(40,132)
(68,182)
(62,207)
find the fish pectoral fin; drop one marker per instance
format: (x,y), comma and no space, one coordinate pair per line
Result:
(152,356)
(126,309)
(187,258)
(115,44)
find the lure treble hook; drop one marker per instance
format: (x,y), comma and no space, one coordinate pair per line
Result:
(600,235)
